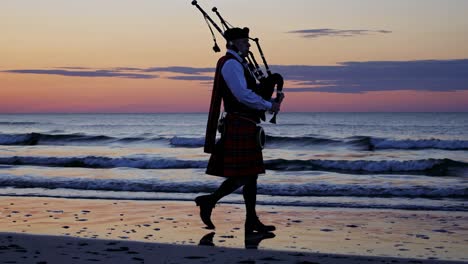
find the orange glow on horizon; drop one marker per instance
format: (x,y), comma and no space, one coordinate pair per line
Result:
(48,93)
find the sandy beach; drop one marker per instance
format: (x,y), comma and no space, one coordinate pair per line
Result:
(55,230)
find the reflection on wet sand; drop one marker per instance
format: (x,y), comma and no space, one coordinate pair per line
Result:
(251,241)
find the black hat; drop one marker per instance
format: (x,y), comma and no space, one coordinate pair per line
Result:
(236,33)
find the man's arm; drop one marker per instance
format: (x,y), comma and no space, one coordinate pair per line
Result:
(233,74)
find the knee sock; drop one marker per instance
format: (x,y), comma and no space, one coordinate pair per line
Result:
(250,197)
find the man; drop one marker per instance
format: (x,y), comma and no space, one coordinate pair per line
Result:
(236,155)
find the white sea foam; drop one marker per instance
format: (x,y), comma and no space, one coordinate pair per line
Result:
(368,143)
(444,204)
(365,166)
(382,143)
(195,186)
(350,166)
(104,162)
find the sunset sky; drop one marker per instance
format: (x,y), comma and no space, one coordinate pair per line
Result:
(146,56)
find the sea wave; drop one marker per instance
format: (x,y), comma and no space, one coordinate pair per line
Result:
(17,123)
(79,138)
(187,142)
(382,143)
(360,142)
(401,203)
(371,143)
(375,143)
(276,189)
(436,167)
(31,139)
(103,162)
(54,139)
(303,141)
(424,166)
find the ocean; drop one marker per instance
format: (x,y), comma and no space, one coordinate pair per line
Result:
(408,161)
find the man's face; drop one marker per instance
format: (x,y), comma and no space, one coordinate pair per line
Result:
(242,45)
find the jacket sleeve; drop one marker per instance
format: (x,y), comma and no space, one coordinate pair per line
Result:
(233,74)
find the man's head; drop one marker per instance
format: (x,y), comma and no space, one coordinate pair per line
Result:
(238,40)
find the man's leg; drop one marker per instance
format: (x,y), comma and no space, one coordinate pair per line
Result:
(207,202)
(252,223)
(250,196)
(227,187)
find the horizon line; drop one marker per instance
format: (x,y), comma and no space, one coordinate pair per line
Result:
(145,113)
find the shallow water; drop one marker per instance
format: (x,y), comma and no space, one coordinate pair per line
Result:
(412,161)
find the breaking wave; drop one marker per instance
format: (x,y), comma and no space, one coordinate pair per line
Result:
(424,166)
(31,139)
(361,142)
(187,142)
(380,143)
(103,162)
(53,139)
(276,189)
(18,123)
(438,167)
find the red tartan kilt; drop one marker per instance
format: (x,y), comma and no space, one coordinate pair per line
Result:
(237,152)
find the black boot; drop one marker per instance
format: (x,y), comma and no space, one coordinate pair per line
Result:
(253,224)
(206,204)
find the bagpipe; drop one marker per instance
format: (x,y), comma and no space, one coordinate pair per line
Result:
(267,83)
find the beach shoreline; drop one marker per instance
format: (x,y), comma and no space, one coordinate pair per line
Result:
(305,232)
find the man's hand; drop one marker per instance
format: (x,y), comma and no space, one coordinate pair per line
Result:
(275,107)
(280,97)
(276,104)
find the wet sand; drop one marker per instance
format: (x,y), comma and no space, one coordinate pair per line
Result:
(172,231)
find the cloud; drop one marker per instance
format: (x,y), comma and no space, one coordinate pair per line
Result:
(74,68)
(87,73)
(191,78)
(127,69)
(328,32)
(346,77)
(179,69)
(193,74)
(124,72)
(360,77)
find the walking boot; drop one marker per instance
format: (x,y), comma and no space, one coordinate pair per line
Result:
(254,224)
(206,207)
